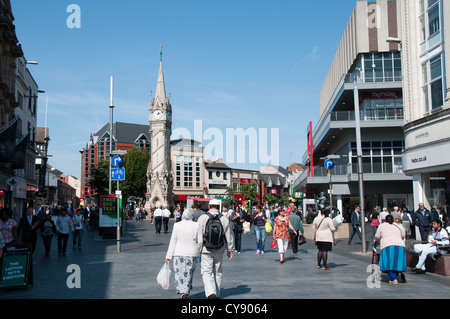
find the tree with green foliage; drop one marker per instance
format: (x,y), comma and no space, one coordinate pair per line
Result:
(135,162)
(99,181)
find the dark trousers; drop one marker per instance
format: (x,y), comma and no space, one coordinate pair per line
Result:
(166,224)
(158,224)
(355,231)
(47,243)
(62,242)
(424,231)
(294,242)
(237,240)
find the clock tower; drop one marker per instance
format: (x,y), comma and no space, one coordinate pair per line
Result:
(159,171)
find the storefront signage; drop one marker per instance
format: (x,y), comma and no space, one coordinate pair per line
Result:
(382,95)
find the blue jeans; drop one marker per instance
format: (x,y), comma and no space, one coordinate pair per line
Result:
(260,232)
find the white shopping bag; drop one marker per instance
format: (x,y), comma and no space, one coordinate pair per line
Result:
(163,277)
(338,220)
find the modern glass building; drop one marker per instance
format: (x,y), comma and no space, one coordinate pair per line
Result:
(365,75)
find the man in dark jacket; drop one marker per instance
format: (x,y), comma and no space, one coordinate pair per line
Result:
(28,225)
(422,219)
(356,223)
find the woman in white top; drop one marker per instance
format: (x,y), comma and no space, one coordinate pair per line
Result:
(184,248)
(323,229)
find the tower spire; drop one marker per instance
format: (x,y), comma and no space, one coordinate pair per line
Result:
(160,86)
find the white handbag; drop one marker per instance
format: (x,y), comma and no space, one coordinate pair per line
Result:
(338,220)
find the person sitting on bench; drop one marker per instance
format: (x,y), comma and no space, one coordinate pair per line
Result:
(437,237)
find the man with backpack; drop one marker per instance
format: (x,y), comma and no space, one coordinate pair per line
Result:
(216,239)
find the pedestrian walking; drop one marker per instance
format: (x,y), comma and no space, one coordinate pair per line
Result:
(197,211)
(374,221)
(395,213)
(158,215)
(211,261)
(281,233)
(237,222)
(166,216)
(64,226)
(323,229)
(355,220)
(406,222)
(437,237)
(178,214)
(296,222)
(259,220)
(48,229)
(184,248)
(422,219)
(392,244)
(78,227)
(28,226)
(8,227)
(383,215)
(444,217)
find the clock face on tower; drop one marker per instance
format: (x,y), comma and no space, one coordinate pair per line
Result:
(157,114)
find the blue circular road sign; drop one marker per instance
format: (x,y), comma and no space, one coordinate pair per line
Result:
(117,161)
(329,164)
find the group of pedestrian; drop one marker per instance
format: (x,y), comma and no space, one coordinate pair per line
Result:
(30,225)
(161,216)
(200,234)
(393,228)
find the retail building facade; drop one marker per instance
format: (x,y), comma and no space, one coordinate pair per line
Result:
(425,48)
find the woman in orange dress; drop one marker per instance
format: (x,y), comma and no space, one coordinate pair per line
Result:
(281,233)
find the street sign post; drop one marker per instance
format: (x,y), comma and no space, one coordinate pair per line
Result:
(117,174)
(329,165)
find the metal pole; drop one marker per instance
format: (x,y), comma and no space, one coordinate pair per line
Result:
(110,130)
(360,168)
(118,196)
(331,194)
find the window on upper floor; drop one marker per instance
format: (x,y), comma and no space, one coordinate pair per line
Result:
(376,67)
(433,83)
(430,24)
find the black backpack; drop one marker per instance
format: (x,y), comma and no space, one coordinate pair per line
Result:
(214,237)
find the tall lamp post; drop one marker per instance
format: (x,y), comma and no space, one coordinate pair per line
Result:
(111,107)
(360,169)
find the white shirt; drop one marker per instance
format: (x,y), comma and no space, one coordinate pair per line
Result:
(158,212)
(64,224)
(166,213)
(77,221)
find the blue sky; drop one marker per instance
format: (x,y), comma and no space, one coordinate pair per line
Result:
(232,64)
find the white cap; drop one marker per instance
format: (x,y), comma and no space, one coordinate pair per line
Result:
(214,202)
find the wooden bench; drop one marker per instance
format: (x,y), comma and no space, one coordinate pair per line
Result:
(438,263)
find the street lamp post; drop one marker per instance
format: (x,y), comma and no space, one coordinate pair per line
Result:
(111,107)
(360,168)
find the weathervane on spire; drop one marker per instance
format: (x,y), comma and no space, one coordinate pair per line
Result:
(160,54)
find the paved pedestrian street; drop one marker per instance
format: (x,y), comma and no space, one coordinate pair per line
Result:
(104,273)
